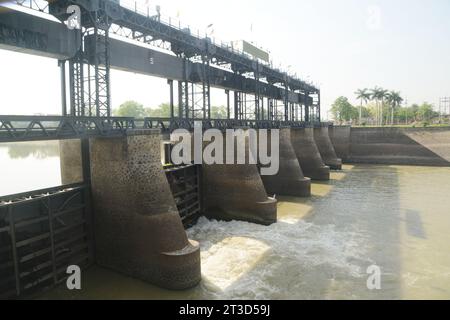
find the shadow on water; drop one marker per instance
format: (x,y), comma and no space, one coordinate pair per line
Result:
(414,224)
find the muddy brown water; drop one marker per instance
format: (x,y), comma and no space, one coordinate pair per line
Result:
(395,217)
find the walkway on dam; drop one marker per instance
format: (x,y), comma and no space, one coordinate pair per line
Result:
(391,216)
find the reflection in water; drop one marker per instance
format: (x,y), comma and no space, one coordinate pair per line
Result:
(27,166)
(38,150)
(394,217)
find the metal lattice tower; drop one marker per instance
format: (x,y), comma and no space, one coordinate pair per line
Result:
(89,75)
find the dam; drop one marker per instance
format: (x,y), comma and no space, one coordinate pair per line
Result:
(141,226)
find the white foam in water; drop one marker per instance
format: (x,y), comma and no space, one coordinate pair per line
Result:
(248,261)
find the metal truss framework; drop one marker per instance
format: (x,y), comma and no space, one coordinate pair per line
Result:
(33,128)
(107,16)
(90,76)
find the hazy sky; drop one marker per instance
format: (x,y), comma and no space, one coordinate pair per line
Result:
(341,45)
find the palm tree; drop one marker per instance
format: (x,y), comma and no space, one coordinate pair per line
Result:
(384,94)
(376,94)
(394,100)
(362,95)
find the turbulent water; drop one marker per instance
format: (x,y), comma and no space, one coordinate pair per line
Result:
(395,217)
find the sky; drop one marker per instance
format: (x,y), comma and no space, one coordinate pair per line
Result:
(341,46)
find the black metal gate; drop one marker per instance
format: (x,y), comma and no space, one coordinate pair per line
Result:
(41,234)
(185,183)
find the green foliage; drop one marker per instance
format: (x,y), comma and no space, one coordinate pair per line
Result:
(130,109)
(162,111)
(342,110)
(218,112)
(425,112)
(137,110)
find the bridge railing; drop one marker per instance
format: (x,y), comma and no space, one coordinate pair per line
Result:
(29,128)
(35,128)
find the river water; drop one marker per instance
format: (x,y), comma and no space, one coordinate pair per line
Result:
(394,217)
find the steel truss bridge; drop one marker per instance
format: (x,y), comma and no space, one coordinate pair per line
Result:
(43,231)
(262,96)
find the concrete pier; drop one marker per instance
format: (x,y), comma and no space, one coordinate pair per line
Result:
(340,138)
(308,154)
(70,161)
(326,148)
(236,192)
(138,231)
(289,181)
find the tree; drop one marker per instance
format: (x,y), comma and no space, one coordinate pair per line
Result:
(375,95)
(394,99)
(415,111)
(383,95)
(162,111)
(363,95)
(342,110)
(130,109)
(425,112)
(218,112)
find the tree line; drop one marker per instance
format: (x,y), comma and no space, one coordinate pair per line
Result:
(381,107)
(137,110)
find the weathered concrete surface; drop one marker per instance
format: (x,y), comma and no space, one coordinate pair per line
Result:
(308,155)
(138,231)
(236,192)
(70,161)
(326,149)
(410,146)
(340,138)
(289,181)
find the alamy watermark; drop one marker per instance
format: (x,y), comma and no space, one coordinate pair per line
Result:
(73,281)
(211,147)
(74,20)
(374,279)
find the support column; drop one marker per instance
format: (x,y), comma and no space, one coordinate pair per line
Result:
(171,103)
(62,67)
(236,192)
(227,92)
(340,138)
(289,181)
(308,155)
(71,163)
(138,231)
(326,148)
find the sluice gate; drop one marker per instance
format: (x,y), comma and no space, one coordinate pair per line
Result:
(41,234)
(138,206)
(185,184)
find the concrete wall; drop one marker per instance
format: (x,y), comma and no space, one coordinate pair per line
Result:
(340,137)
(138,230)
(326,148)
(289,181)
(409,146)
(236,192)
(308,155)
(71,165)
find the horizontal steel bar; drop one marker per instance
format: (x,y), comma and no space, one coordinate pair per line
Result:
(32,128)
(36,195)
